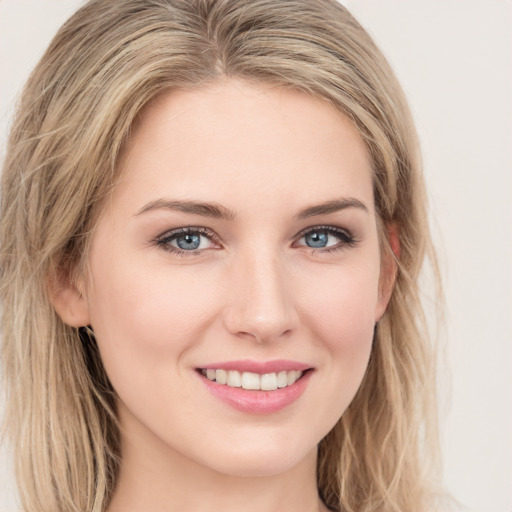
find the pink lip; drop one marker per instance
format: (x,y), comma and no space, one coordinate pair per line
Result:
(253,401)
(261,367)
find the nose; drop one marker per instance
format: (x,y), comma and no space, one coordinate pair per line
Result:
(260,304)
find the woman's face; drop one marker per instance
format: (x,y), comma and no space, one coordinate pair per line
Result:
(240,245)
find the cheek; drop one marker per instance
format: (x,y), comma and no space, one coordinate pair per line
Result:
(340,311)
(342,303)
(146,320)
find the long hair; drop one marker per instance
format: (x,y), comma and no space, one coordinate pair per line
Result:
(108,61)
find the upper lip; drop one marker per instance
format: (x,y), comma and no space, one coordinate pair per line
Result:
(261,367)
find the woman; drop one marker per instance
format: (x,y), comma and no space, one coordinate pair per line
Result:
(213,220)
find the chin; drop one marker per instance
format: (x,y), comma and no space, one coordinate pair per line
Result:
(261,453)
(263,464)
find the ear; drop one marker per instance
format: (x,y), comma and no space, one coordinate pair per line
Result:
(390,256)
(68,300)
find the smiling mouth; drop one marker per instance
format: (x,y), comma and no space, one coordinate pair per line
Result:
(252,381)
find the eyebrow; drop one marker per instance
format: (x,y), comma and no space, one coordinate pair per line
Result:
(217,211)
(332,206)
(212,210)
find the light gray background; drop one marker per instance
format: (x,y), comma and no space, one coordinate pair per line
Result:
(454,58)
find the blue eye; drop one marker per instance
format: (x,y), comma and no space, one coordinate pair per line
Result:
(328,237)
(187,240)
(316,239)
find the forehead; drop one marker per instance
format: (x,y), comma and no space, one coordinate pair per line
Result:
(238,140)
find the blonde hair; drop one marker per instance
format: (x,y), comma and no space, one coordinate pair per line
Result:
(108,61)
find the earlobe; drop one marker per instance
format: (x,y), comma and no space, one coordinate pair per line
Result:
(69,302)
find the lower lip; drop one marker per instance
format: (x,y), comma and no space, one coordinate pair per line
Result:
(258,402)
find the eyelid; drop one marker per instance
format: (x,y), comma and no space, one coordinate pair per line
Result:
(347,239)
(326,227)
(163,239)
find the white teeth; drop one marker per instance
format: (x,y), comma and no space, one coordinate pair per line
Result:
(269,381)
(294,377)
(253,381)
(250,380)
(282,379)
(221,376)
(234,379)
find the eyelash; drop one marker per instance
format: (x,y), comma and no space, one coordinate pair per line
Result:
(345,237)
(164,240)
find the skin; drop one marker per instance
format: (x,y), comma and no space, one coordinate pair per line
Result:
(254,290)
